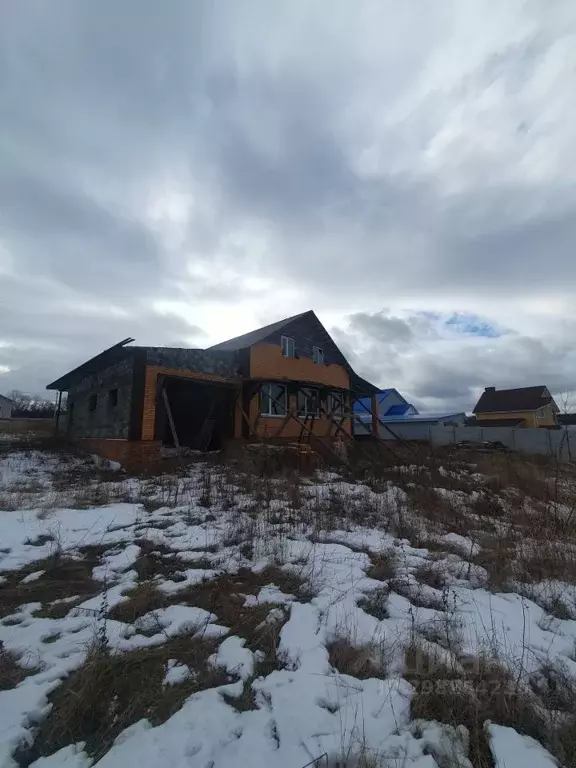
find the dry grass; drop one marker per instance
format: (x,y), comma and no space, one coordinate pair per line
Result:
(481,689)
(549,559)
(356,757)
(449,695)
(528,475)
(549,600)
(12,672)
(383,566)
(445,631)
(62,578)
(497,555)
(224,596)
(433,577)
(142,599)
(156,561)
(112,691)
(264,639)
(57,609)
(362,661)
(487,504)
(521,514)
(522,555)
(375,603)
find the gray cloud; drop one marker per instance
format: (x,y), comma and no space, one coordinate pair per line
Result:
(391,330)
(440,367)
(366,156)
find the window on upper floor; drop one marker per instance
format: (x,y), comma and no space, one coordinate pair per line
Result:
(308,402)
(318,355)
(273,399)
(112,398)
(288,346)
(541,414)
(92,402)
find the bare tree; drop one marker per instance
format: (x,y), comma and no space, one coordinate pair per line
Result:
(567,401)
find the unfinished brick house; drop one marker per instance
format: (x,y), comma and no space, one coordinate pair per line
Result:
(286,381)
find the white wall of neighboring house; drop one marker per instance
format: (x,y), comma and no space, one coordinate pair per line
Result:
(5,408)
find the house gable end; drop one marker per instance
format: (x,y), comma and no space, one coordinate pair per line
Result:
(308,332)
(520,400)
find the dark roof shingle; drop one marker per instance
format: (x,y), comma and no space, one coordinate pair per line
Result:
(507,400)
(253,337)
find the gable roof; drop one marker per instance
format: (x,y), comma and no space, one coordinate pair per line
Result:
(118,351)
(260,334)
(357,383)
(364,405)
(383,394)
(112,354)
(506,400)
(398,410)
(7,399)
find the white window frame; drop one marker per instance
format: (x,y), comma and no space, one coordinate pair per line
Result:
(340,411)
(268,414)
(318,355)
(541,414)
(309,392)
(288,346)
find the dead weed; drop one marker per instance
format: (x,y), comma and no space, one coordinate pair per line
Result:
(112,691)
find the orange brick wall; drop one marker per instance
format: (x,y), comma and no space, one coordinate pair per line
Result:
(132,454)
(152,373)
(268,427)
(268,362)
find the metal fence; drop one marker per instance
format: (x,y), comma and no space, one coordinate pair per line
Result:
(551,442)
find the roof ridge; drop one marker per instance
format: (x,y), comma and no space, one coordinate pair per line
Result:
(251,337)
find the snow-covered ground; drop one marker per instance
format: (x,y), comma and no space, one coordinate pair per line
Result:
(326,616)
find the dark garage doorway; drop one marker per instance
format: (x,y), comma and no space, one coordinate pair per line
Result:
(203,413)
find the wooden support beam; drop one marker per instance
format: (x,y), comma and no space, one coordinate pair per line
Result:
(282,426)
(305,427)
(375,419)
(170,418)
(247,420)
(245,416)
(332,416)
(255,424)
(379,441)
(58,409)
(380,422)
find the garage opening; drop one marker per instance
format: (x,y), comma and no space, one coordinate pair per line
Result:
(202,413)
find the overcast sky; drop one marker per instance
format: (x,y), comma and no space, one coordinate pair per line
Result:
(184,171)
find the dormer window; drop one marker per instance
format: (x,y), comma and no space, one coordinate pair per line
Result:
(288,346)
(318,355)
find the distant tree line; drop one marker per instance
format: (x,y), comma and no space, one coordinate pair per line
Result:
(31,406)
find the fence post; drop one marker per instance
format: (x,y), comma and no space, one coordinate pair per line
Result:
(430,437)
(550,442)
(569,446)
(513,439)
